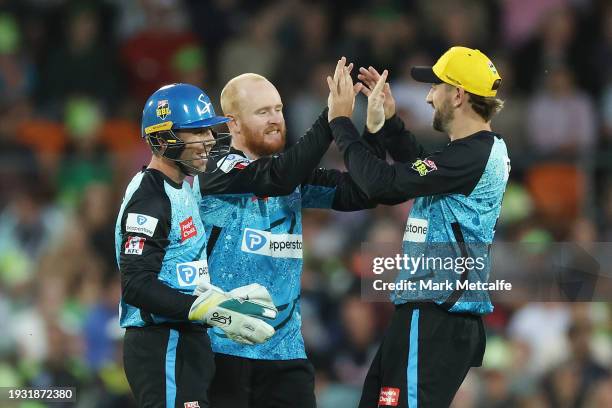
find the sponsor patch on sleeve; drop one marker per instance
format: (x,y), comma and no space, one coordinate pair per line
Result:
(233,161)
(389,397)
(423,167)
(134,245)
(141,224)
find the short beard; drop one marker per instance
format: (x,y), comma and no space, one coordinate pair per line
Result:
(256,144)
(443,116)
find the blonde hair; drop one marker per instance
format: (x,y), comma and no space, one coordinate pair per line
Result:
(230,98)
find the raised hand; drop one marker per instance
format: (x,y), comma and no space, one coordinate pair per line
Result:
(341,100)
(370,77)
(376,101)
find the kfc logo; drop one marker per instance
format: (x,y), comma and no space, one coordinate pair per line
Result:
(134,245)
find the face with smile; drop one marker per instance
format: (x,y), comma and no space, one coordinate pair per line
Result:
(198,144)
(258,124)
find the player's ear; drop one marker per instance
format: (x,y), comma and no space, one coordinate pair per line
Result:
(459,96)
(234,124)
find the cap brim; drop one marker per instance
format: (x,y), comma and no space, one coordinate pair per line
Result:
(209,122)
(425,74)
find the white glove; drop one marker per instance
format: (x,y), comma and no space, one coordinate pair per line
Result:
(238,312)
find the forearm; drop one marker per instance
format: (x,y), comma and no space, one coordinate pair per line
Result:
(398,141)
(372,174)
(143,290)
(277,175)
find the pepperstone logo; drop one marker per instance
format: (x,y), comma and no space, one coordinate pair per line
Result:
(192,273)
(141,224)
(416,230)
(268,244)
(254,240)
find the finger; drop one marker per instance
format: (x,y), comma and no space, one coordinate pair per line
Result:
(380,84)
(365,76)
(348,81)
(357,88)
(366,81)
(370,79)
(374,73)
(350,67)
(332,85)
(387,90)
(366,91)
(339,66)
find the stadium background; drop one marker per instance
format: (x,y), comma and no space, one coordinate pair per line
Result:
(73,79)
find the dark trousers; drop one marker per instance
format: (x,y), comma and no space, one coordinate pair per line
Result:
(169,365)
(424,358)
(247,383)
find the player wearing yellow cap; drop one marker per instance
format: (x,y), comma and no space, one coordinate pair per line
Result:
(436,333)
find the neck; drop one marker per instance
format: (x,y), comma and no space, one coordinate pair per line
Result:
(238,144)
(467,126)
(170,169)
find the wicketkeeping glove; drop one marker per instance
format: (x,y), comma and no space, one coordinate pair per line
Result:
(238,312)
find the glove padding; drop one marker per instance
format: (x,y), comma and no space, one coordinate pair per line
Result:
(238,312)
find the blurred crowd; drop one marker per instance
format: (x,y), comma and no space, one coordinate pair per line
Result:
(74,76)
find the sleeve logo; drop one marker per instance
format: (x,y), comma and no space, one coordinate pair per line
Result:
(141,224)
(233,161)
(388,397)
(423,167)
(134,245)
(188,229)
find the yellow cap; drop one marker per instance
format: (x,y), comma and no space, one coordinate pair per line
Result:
(462,67)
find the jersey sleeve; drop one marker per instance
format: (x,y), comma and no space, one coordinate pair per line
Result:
(145,226)
(269,176)
(401,144)
(455,169)
(334,189)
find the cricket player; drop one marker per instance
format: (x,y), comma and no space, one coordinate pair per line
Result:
(435,335)
(167,301)
(252,209)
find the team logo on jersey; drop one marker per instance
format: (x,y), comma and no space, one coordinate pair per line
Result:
(233,161)
(191,404)
(274,245)
(163,109)
(192,273)
(389,397)
(423,167)
(134,245)
(188,229)
(416,230)
(140,223)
